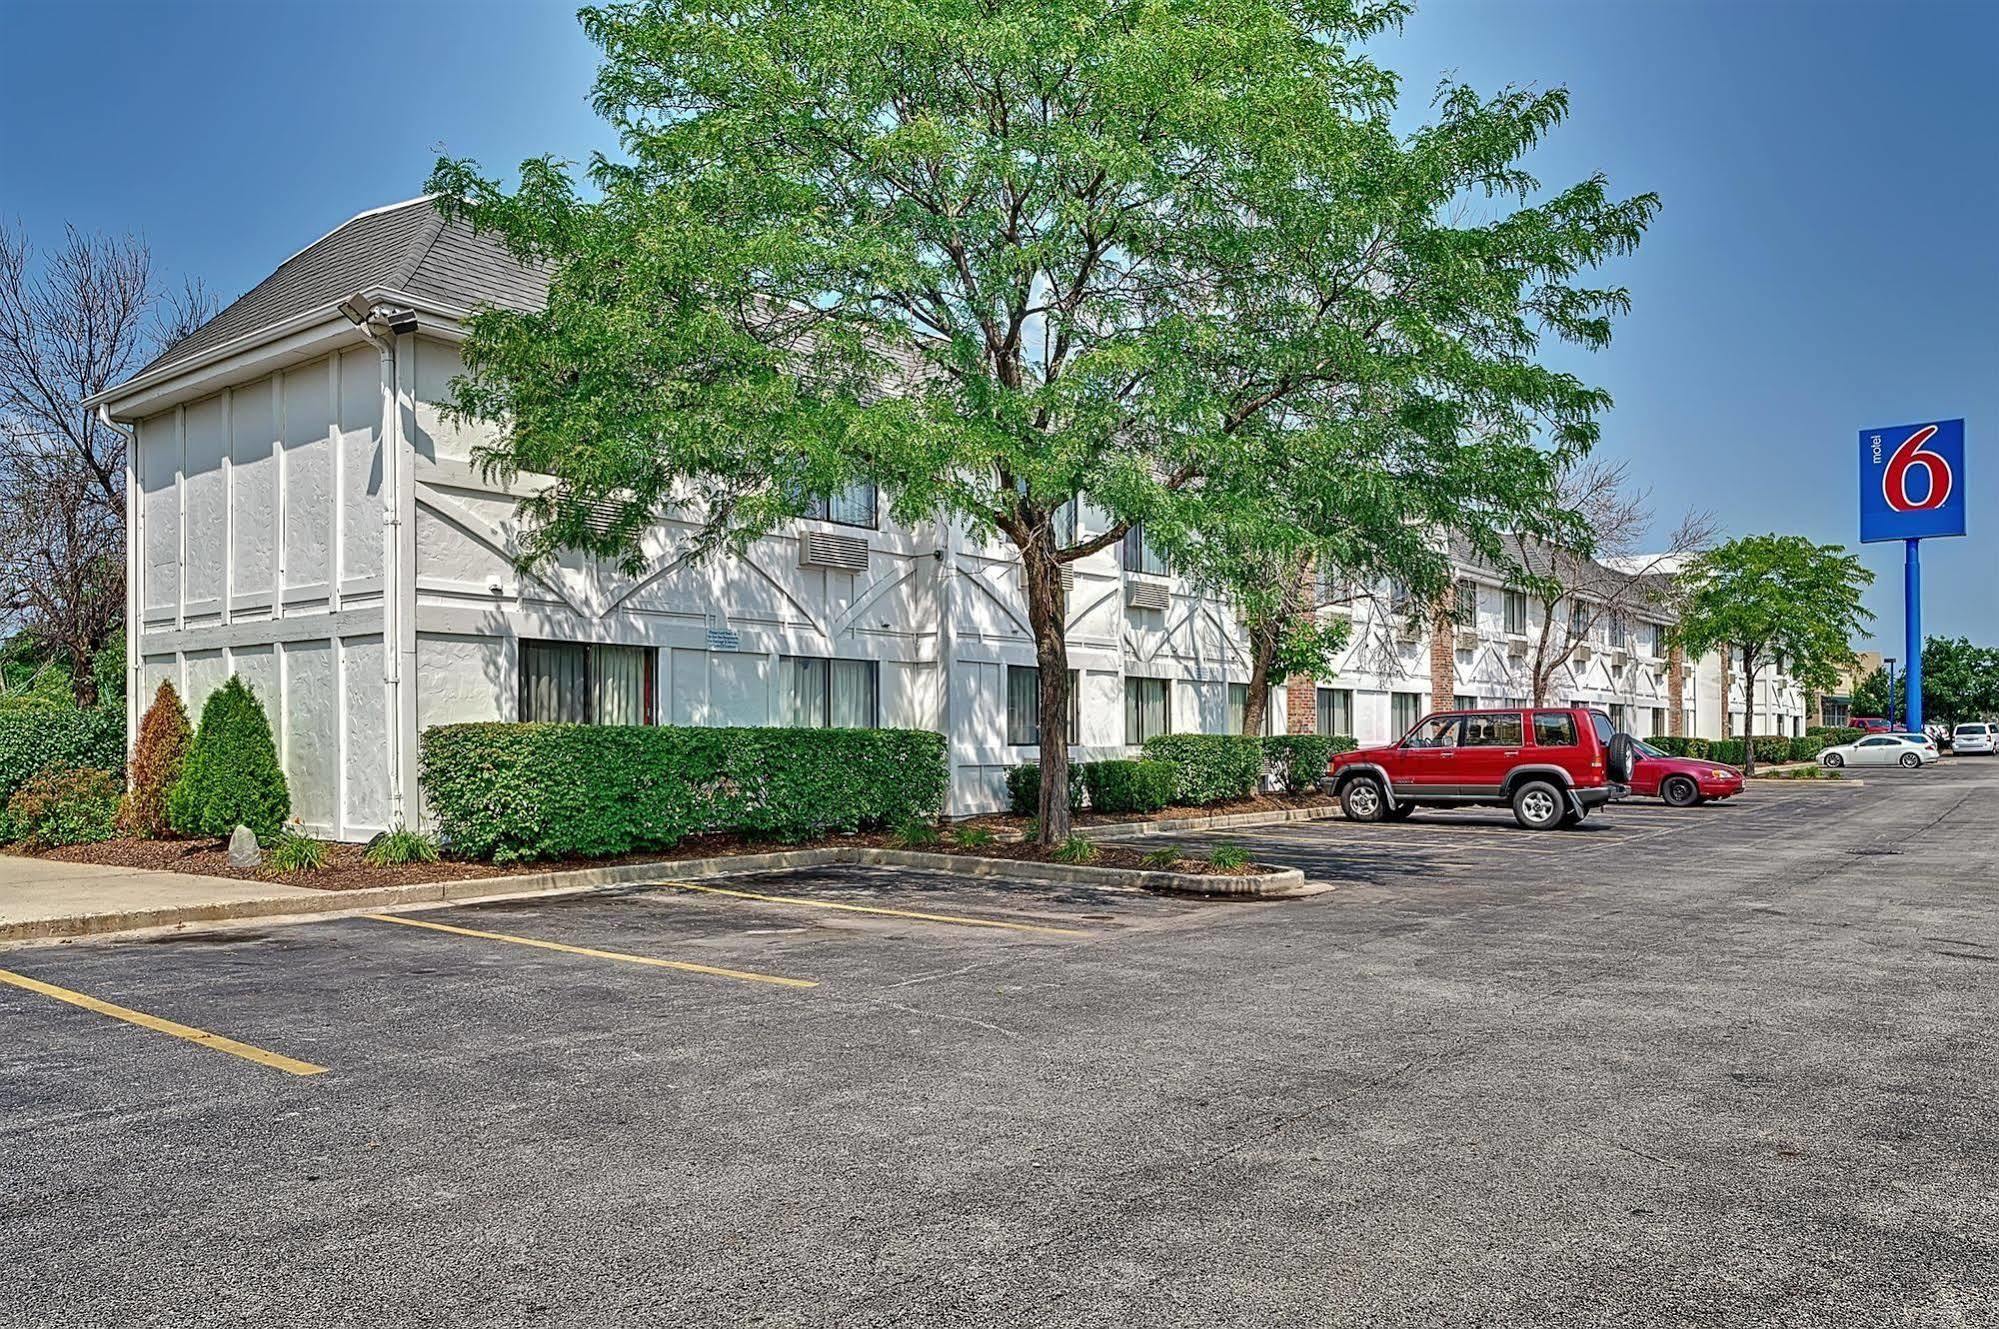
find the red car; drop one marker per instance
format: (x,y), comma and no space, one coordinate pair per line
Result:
(1872,724)
(1551,765)
(1680,781)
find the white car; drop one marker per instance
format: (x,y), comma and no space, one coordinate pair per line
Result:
(1910,750)
(1975,739)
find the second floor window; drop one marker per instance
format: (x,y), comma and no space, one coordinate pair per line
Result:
(853,506)
(1515,603)
(1137,554)
(1617,630)
(1464,608)
(1579,621)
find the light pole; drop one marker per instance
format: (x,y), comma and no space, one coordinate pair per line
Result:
(1889,661)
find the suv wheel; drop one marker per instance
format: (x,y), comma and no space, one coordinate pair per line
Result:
(1539,806)
(1680,792)
(1362,800)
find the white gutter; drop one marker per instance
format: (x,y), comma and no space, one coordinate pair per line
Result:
(134,702)
(392,454)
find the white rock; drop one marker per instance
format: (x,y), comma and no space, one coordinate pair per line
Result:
(243,850)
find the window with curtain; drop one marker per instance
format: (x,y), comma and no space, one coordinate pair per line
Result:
(1139,555)
(853,506)
(1464,605)
(1401,598)
(1464,701)
(1335,711)
(1064,524)
(1238,703)
(1148,709)
(1658,722)
(816,693)
(1515,606)
(1616,631)
(1023,706)
(1578,620)
(566,682)
(1404,710)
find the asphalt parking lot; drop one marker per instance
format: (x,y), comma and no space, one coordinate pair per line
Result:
(1728,1065)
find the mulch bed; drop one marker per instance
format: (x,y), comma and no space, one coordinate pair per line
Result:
(344,870)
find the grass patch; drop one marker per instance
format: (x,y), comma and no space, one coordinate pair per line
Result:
(1075,849)
(973,837)
(292,852)
(1229,857)
(399,846)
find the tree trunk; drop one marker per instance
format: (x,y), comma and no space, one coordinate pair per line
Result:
(1047,615)
(1263,651)
(1748,713)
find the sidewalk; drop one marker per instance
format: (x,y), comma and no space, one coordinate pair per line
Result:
(40,898)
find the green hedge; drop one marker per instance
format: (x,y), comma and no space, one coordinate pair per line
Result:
(1770,748)
(1214,768)
(1129,786)
(63,806)
(33,740)
(1023,790)
(511,792)
(1834,735)
(1298,760)
(1809,747)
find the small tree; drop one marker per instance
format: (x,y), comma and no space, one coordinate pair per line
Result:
(157,760)
(231,777)
(1960,682)
(1771,596)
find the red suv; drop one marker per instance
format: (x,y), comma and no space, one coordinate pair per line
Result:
(1551,765)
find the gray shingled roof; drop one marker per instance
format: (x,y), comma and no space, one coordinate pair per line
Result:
(407,247)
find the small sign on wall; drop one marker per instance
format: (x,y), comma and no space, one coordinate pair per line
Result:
(724,639)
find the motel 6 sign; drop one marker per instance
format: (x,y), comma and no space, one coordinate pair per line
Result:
(1912,481)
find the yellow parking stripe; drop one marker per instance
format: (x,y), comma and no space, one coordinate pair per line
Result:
(275,1061)
(877,909)
(709,969)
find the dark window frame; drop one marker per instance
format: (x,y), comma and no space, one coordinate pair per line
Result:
(1136,554)
(826,700)
(820,506)
(589,650)
(1075,706)
(1166,707)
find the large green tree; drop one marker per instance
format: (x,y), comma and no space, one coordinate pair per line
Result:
(999,256)
(1763,598)
(1960,682)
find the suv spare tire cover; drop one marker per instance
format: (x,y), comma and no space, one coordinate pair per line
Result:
(1622,758)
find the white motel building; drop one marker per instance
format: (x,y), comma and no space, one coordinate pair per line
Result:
(302,513)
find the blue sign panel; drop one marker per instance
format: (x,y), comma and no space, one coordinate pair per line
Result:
(1912,481)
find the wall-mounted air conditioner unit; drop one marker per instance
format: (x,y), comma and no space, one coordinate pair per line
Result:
(1467,639)
(822,549)
(1068,578)
(1409,630)
(1516,648)
(1147,595)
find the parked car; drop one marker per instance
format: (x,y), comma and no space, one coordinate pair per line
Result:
(1872,724)
(1680,781)
(1910,750)
(1975,739)
(1551,765)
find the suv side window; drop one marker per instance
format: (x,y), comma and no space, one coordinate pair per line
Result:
(1554,729)
(1601,723)
(1438,732)
(1492,731)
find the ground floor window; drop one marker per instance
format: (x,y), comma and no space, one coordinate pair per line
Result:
(1620,717)
(1238,703)
(815,693)
(1336,710)
(1658,722)
(1148,708)
(1464,701)
(1023,706)
(1404,710)
(570,682)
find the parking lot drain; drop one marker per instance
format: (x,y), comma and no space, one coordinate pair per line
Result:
(685,966)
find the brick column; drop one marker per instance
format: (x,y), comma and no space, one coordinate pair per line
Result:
(1301,705)
(1676,696)
(1443,660)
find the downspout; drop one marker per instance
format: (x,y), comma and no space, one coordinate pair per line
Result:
(392,451)
(134,702)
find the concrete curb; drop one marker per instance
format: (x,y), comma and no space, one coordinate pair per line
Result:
(1128,830)
(1287,883)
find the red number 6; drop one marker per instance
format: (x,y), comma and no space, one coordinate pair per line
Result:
(1895,479)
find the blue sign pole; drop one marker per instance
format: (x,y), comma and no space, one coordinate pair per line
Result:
(1912,670)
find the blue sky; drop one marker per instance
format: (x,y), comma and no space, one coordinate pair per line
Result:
(1825,260)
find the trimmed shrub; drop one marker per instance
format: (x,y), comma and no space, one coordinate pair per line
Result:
(1298,760)
(1773,748)
(42,738)
(1809,747)
(512,792)
(157,760)
(1213,768)
(64,806)
(1023,790)
(1836,735)
(1345,743)
(231,777)
(1129,786)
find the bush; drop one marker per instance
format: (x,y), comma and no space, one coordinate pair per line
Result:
(1808,747)
(1344,743)
(1836,735)
(1298,760)
(914,834)
(1773,748)
(1075,849)
(67,805)
(42,738)
(231,777)
(1229,857)
(972,837)
(292,852)
(393,848)
(1023,790)
(1128,786)
(523,791)
(158,757)
(1212,768)
(1162,860)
